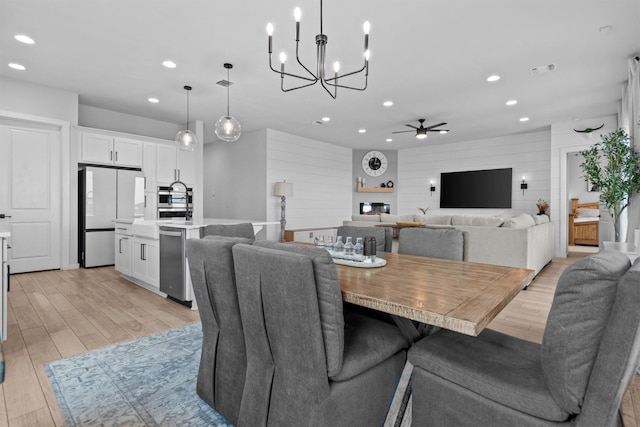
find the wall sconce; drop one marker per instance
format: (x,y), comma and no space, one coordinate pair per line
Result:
(432,188)
(523,185)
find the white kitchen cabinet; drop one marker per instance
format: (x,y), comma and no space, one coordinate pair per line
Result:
(173,164)
(109,150)
(150,205)
(123,254)
(149,165)
(145,261)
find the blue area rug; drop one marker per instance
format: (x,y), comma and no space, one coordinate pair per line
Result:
(149,381)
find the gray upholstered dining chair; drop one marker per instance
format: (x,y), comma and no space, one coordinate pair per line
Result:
(308,364)
(577,376)
(244,229)
(445,243)
(383,235)
(223,364)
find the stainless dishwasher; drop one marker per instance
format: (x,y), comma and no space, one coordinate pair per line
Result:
(172,263)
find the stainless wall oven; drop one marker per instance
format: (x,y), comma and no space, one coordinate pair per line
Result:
(172,204)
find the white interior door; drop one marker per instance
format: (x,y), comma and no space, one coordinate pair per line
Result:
(30,194)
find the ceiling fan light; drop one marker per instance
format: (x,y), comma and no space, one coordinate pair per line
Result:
(420,135)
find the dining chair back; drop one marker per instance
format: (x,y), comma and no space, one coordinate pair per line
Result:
(445,243)
(230,230)
(308,363)
(589,353)
(221,373)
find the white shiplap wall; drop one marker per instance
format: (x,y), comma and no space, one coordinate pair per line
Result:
(527,154)
(321,177)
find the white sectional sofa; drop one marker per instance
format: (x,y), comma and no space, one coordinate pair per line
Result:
(521,241)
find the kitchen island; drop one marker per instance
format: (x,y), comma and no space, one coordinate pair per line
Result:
(139,253)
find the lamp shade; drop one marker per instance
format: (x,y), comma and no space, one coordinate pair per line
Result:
(283,189)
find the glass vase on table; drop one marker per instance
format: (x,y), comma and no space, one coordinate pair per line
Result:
(338,248)
(348,249)
(358,250)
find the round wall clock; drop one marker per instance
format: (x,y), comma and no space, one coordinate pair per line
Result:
(374,163)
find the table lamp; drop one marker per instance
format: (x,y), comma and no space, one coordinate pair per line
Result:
(283,189)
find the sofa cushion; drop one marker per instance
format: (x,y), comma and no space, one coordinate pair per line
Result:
(433,219)
(329,299)
(388,218)
(368,218)
(579,313)
(540,219)
(477,220)
(520,221)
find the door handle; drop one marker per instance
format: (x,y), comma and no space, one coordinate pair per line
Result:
(143,248)
(145,201)
(111,155)
(116,156)
(120,246)
(2,216)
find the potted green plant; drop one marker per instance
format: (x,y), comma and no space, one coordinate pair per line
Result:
(613,166)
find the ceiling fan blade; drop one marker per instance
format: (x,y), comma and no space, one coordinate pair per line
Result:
(435,126)
(438,130)
(403,131)
(411,126)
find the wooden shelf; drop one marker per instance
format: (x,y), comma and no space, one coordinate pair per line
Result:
(374,190)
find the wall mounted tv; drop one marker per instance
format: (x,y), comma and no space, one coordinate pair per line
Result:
(476,189)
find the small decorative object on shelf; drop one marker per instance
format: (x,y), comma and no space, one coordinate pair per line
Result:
(423,210)
(389,184)
(383,185)
(542,205)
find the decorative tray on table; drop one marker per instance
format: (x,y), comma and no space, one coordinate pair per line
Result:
(379,262)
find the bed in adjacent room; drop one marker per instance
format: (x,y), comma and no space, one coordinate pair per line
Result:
(584,221)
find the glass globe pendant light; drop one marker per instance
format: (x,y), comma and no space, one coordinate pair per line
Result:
(227,128)
(185,139)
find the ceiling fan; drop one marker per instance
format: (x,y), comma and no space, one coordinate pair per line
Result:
(421,132)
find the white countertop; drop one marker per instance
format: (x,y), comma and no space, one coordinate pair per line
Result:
(124,220)
(4,232)
(150,228)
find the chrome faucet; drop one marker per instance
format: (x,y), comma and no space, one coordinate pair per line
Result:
(188,214)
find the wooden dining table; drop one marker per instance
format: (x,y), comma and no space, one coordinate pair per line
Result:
(457,295)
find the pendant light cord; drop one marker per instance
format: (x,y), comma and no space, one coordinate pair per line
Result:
(187,109)
(229,84)
(321,17)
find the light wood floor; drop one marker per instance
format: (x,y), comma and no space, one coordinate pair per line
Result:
(57,314)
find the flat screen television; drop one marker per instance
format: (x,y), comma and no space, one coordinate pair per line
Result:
(476,189)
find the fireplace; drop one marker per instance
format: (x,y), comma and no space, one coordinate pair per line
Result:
(367,208)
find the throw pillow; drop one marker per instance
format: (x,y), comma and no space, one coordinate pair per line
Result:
(587,213)
(433,219)
(519,221)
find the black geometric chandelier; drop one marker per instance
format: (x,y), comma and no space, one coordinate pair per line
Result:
(319,76)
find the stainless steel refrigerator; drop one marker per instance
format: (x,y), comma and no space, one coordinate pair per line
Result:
(105,194)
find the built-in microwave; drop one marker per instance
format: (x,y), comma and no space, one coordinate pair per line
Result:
(173,204)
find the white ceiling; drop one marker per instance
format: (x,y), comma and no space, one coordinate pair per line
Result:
(431,58)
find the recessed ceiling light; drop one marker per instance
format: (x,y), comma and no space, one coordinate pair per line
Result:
(154,100)
(511,102)
(387,103)
(524,119)
(389,140)
(326,119)
(17,66)
(542,69)
(362,130)
(169,64)
(24,39)
(493,78)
